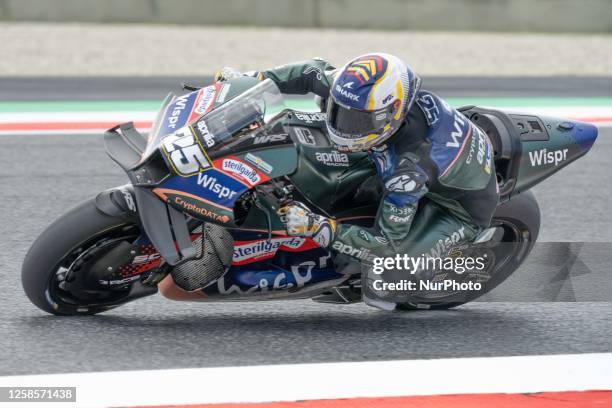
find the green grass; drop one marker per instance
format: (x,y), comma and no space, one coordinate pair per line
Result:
(153,105)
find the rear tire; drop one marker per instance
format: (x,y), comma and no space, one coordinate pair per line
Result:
(520,218)
(81,227)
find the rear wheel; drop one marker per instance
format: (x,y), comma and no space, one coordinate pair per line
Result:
(518,225)
(57,270)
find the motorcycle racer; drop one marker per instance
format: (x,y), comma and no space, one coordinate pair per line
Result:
(436,167)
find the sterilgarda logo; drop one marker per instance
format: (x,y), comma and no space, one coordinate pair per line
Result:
(248,252)
(202,105)
(242,170)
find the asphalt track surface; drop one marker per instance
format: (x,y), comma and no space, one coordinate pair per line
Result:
(118,88)
(42,177)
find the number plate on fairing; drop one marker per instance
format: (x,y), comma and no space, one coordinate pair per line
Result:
(184,153)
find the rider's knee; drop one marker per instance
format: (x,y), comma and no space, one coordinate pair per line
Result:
(170,290)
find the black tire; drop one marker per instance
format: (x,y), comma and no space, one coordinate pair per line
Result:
(520,219)
(79,227)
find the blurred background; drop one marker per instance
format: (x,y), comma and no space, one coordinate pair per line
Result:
(195,37)
(71,68)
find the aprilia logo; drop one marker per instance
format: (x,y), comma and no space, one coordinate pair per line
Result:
(360,253)
(333,159)
(209,139)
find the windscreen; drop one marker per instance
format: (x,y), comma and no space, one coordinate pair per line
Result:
(248,111)
(255,107)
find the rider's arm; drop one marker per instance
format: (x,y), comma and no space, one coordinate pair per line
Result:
(403,190)
(302,77)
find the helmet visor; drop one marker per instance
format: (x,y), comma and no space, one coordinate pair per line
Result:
(355,123)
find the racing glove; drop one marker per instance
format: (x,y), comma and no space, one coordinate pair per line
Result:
(301,222)
(226,74)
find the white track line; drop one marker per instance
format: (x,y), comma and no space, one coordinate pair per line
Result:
(524,374)
(98,132)
(41,117)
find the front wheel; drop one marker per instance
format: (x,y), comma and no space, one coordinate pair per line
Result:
(57,271)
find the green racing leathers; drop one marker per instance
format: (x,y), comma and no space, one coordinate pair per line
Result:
(437,172)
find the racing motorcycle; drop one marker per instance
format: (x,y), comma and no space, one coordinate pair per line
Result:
(205,186)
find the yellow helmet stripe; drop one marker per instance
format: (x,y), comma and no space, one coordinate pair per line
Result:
(361,70)
(368,64)
(373,90)
(400,94)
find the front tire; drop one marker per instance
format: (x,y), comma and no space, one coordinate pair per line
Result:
(58,247)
